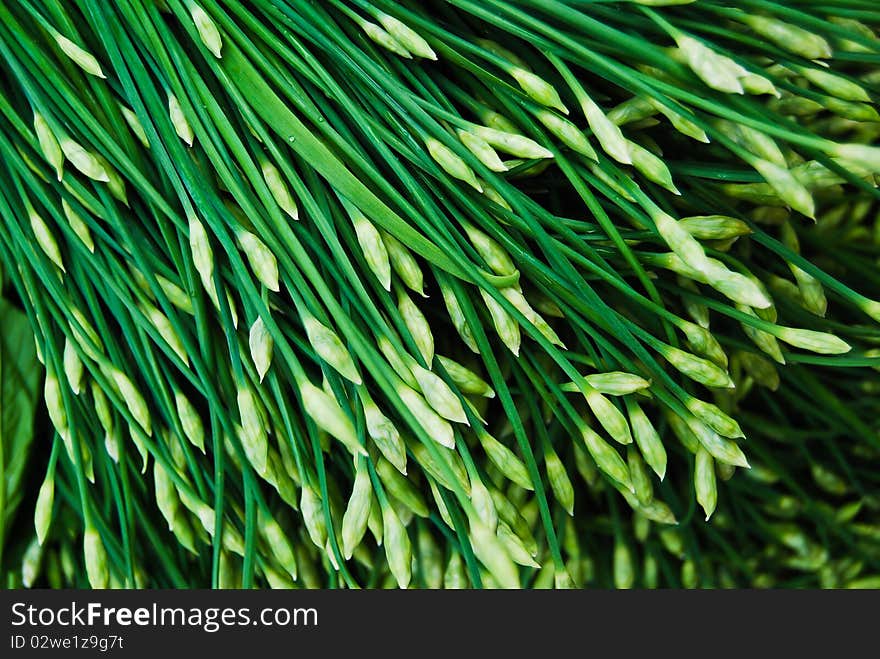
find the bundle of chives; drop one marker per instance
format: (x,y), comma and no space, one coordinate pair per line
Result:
(444,259)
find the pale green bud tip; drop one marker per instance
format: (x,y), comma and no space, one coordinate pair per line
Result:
(45,239)
(863,155)
(178,120)
(704,482)
(434,425)
(714,227)
(789,189)
(207,29)
(84,161)
(418,327)
(607,132)
(397,547)
(43,508)
(451,163)
(609,416)
(95,559)
(49,144)
(681,242)
(613,383)
(133,399)
(382,38)
(872,308)
(374,250)
(512,143)
(407,37)
(715,418)
(607,459)
(567,132)
(278,188)
(439,395)
(80,228)
(261,260)
(717,71)
(81,57)
(330,348)
(190,421)
(698,369)
(482,150)
(253,431)
(328,415)
(261,345)
(820,342)
(538,89)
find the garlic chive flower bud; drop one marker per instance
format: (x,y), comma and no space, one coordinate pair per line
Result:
(680,241)
(375,251)
(482,150)
(613,383)
(357,512)
(567,133)
(73,367)
(261,260)
(330,348)
(717,71)
(607,459)
(438,394)
(789,189)
(165,329)
(560,483)
(178,120)
(466,380)
(328,415)
(511,142)
(207,29)
(411,40)
(492,554)
(383,432)
(505,460)
(81,57)
(404,264)
(456,316)
(80,228)
(45,239)
(537,88)
(505,325)
(647,439)
(260,344)
(713,417)
(190,421)
(704,482)
(606,131)
(417,325)
(714,227)
(130,395)
(384,39)
(652,167)
(397,546)
(820,342)
(84,161)
(43,507)
(451,163)
(787,36)
(278,188)
(49,144)
(696,368)
(611,419)
(435,426)
(95,559)
(312,511)
(135,124)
